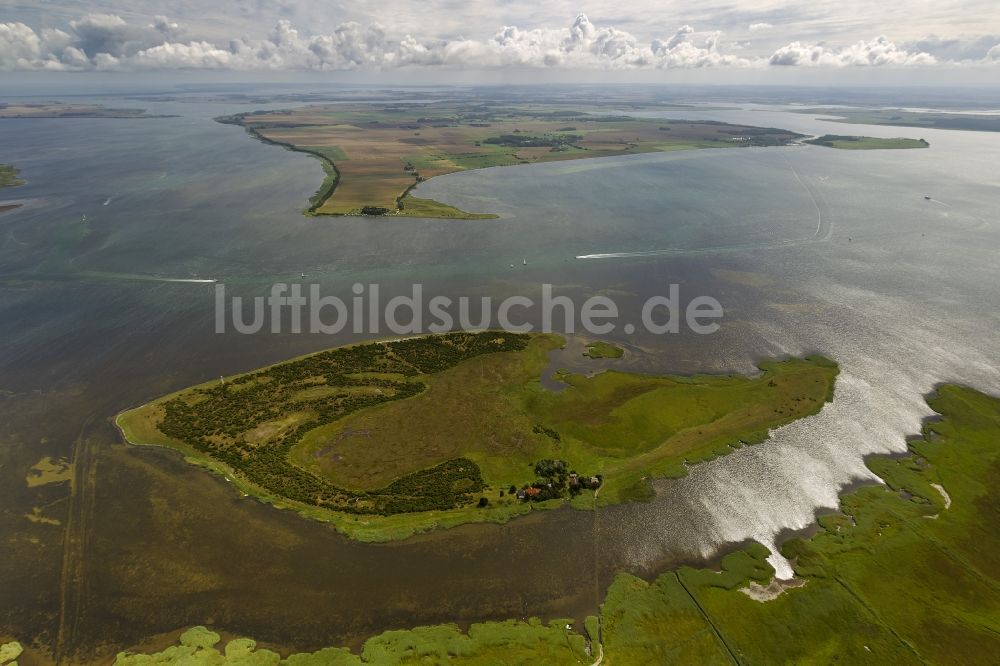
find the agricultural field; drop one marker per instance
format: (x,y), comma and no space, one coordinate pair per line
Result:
(904,573)
(385,439)
(866,142)
(376,153)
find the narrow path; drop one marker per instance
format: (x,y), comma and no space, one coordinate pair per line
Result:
(600,655)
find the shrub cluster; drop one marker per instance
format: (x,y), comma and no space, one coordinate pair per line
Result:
(220,420)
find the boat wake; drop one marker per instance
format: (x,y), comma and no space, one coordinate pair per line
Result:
(823,233)
(145,278)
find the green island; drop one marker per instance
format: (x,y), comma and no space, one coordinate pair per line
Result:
(866,142)
(69,110)
(600,349)
(904,572)
(973,122)
(9,176)
(385,439)
(374,154)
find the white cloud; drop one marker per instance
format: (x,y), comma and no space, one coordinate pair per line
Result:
(957,49)
(760,26)
(879,51)
(108,42)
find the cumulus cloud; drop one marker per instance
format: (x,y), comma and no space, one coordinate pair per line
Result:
(108,42)
(104,41)
(760,26)
(879,51)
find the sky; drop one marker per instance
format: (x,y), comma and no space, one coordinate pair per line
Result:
(754,40)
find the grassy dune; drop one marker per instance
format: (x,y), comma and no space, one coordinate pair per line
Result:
(905,573)
(386,439)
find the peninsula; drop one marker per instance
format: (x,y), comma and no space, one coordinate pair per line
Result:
(374,154)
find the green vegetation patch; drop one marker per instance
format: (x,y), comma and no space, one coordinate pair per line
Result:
(9,176)
(411,206)
(531,141)
(238,423)
(895,576)
(487,644)
(601,349)
(49,470)
(866,142)
(9,652)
